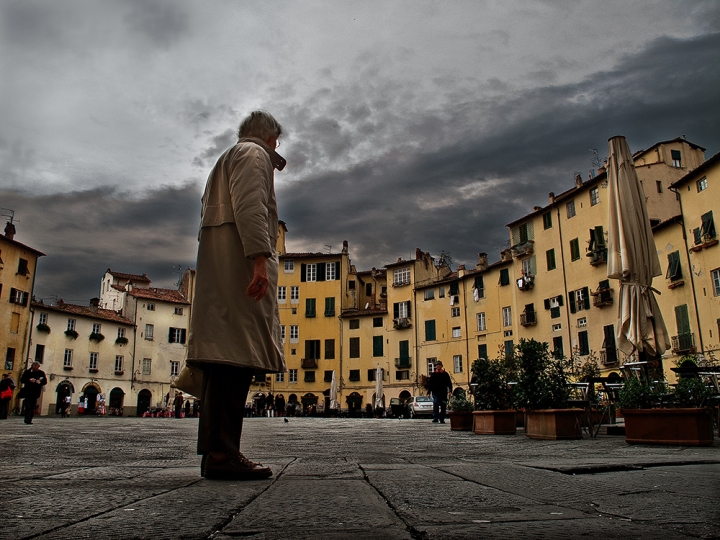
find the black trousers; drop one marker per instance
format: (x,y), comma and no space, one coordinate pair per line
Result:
(4,407)
(30,404)
(225,390)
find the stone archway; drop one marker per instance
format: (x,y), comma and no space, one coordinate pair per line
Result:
(116,401)
(89,395)
(64,389)
(354,401)
(143,401)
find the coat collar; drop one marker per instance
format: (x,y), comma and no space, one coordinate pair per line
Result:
(277,160)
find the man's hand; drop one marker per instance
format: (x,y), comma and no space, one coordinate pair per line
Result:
(259,285)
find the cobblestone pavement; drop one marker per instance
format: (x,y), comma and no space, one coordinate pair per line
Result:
(125,478)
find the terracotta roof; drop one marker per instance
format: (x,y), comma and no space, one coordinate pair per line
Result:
(360,312)
(400,262)
(453,276)
(663,224)
(85,311)
(118,288)
(697,171)
(162,295)
(129,277)
(309,255)
(22,246)
(676,139)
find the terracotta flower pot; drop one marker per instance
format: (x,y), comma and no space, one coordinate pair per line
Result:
(461,421)
(683,427)
(554,424)
(494,422)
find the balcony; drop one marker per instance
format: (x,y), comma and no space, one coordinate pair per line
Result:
(523,248)
(309,363)
(526,282)
(401,323)
(404,362)
(529,318)
(602,298)
(597,257)
(608,357)
(683,343)
(674,283)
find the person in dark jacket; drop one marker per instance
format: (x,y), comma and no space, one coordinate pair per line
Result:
(178,403)
(7,385)
(33,380)
(439,387)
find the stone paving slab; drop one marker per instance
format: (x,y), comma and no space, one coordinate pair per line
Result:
(138,478)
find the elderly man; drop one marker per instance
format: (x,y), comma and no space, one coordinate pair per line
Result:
(235,327)
(33,380)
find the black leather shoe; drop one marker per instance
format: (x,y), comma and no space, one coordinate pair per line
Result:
(235,467)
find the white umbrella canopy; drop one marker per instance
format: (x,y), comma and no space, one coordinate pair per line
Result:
(632,257)
(334,391)
(379,388)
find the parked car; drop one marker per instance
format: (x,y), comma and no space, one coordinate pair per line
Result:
(420,406)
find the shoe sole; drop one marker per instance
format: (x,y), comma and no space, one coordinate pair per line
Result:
(220,475)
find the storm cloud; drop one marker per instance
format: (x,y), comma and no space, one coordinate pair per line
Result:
(408,124)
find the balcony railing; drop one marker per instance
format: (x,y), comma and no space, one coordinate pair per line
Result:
(608,356)
(598,256)
(309,363)
(403,322)
(683,343)
(529,318)
(602,298)
(526,282)
(523,248)
(403,362)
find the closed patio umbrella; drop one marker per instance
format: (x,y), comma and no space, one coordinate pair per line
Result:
(334,391)
(379,388)
(632,257)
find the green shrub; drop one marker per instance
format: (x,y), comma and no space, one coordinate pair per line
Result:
(543,378)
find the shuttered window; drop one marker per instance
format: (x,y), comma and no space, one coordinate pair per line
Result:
(550,257)
(430,331)
(354,347)
(674,271)
(504,276)
(574,249)
(377,345)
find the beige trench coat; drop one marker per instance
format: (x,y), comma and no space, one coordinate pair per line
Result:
(239,221)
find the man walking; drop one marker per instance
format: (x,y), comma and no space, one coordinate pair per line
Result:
(33,380)
(178,403)
(235,327)
(439,386)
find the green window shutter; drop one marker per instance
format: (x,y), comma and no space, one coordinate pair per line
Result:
(558,347)
(674,271)
(404,349)
(604,285)
(321,271)
(574,249)
(600,237)
(309,307)
(479,283)
(550,256)
(396,310)
(377,345)
(676,155)
(354,347)
(682,319)
(546,303)
(454,289)
(303,269)
(523,233)
(592,245)
(697,236)
(504,276)
(337,270)
(329,349)
(586,297)
(708,225)
(330,306)
(583,343)
(547,220)
(554,312)
(609,337)
(430,330)
(482,350)
(509,348)
(571,301)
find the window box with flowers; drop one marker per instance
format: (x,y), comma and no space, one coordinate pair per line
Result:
(96,337)
(72,334)
(121,341)
(44,328)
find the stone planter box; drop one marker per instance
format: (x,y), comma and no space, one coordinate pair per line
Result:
(682,427)
(494,423)
(461,421)
(554,424)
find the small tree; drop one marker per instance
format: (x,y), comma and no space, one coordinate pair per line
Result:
(492,391)
(543,378)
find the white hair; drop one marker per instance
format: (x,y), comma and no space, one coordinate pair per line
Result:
(261,125)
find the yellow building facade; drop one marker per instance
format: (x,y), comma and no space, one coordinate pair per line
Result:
(18,264)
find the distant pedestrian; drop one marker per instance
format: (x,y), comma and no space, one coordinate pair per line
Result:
(67,400)
(7,385)
(187,408)
(178,403)
(280,405)
(439,387)
(33,380)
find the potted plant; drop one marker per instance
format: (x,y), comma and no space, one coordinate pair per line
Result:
(461,418)
(686,420)
(494,397)
(543,391)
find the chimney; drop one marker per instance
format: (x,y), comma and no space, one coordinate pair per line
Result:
(482,263)
(537,208)
(506,255)
(461,270)
(9,231)
(345,247)
(94,304)
(60,302)
(418,254)
(551,196)
(578,180)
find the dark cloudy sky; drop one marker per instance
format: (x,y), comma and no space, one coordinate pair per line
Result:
(409,123)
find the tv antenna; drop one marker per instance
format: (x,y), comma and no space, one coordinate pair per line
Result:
(328,249)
